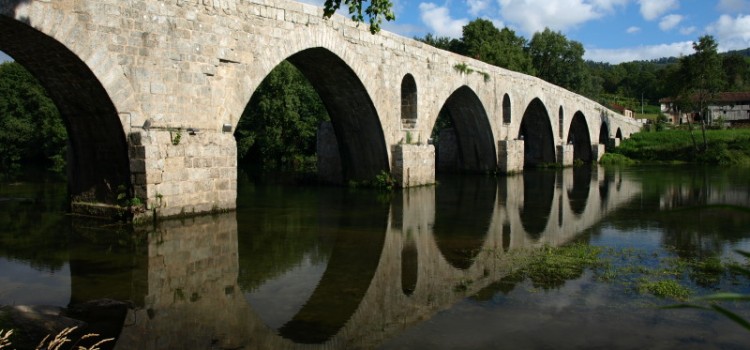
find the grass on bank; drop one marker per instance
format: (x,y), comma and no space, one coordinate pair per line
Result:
(725,147)
(60,341)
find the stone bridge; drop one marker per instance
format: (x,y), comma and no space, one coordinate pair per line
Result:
(374,285)
(151,92)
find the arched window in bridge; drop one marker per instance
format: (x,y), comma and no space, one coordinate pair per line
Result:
(506,109)
(560,122)
(408,102)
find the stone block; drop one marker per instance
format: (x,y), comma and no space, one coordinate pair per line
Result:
(565,154)
(598,151)
(510,156)
(413,165)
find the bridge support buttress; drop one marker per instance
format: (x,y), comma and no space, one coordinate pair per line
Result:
(413,165)
(565,155)
(598,151)
(510,156)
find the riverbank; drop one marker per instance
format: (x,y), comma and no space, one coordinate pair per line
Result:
(724,147)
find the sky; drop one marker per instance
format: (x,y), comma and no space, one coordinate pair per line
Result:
(611,31)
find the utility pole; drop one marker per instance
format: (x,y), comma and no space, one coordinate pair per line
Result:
(641,103)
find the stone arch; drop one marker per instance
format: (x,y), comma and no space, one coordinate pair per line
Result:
(560,122)
(475,142)
(359,134)
(507,119)
(536,131)
(578,136)
(603,134)
(352,236)
(408,102)
(98,162)
(618,134)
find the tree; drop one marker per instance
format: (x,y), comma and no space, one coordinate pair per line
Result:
(502,48)
(558,60)
(376,11)
(279,124)
(737,72)
(31,128)
(443,43)
(699,79)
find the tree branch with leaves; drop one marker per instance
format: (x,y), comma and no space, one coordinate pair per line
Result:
(376,11)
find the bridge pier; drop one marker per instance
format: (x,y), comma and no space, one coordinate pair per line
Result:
(614,142)
(413,165)
(597,151)
(565,154)
(184,171)
(510,156)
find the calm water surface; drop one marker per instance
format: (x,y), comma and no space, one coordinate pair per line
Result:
(424,268)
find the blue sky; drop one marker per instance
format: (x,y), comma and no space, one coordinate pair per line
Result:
(610,30)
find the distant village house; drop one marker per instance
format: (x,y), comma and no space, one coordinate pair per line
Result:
(731,108)
(622,110)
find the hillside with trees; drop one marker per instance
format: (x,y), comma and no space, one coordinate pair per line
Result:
(553,57)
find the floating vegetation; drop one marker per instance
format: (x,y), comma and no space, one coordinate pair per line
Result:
(667,288)
(668,277)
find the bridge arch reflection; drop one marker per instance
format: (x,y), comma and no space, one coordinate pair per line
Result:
(403,275)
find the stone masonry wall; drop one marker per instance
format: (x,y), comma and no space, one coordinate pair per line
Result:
(172,65)
(413,165)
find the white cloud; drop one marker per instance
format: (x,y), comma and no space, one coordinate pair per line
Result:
(688,30)
(633,30)
(608,5)
(731,33)
(733,6)
(534,15)
(439,20)
(653,9)
(669,21)
(477,6)
(639,53)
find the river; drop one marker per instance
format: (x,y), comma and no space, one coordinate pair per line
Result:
(422,268)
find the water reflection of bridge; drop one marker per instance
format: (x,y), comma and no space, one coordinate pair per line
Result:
(374,285)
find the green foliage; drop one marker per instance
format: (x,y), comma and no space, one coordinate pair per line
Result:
(31,129)
(176,137)
(444,43)
(615,159)
(376,11)
(558,60)
(667,288)
(726,147)
(385,181)
(463,68)
(736,71)
(710,302)
(699,76)
(278,127)
(551,266)
(499,47)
